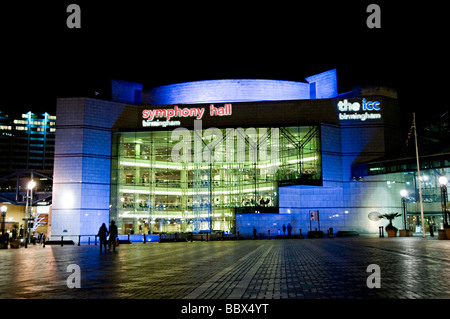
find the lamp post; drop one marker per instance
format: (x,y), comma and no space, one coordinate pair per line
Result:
(404,193)
(30,186)
(3,209)
(443,181)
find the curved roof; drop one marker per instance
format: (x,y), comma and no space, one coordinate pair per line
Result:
(228,90)
(323,85)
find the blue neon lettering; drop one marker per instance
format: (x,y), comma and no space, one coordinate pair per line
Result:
(370,106)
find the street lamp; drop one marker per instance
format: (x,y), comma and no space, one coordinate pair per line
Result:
(31,184)
(443,181)
(3,209)
(404,193)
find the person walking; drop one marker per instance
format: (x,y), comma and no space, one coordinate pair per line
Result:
(284,230)
(254,233)
(112,235)
(102,234)
(289,229)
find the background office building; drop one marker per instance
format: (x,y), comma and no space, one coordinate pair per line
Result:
(27,141)
(227,156)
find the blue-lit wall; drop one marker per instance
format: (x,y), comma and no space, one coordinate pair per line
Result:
(325,84)
(243,90)
(216,91)
(81,178)
(126,92)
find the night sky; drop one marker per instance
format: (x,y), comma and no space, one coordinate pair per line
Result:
(158,44)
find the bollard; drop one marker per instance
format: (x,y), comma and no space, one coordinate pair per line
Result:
(79,239)
(62,241)
(268,238)
(381,231)
(301,236)
(144,238)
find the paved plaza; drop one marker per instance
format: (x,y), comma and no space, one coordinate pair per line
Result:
(246,269)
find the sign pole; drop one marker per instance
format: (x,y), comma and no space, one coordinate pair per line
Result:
(418,177)
(318,220)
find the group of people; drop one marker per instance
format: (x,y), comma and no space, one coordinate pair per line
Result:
(289,229)
(103,233)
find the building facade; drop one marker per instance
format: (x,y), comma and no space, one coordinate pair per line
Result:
(27,141)
(225,156)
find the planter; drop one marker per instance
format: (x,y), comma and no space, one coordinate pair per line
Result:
(405,233)
(447,232)
(391,232)
(441,234)
(315,234)
(14,244)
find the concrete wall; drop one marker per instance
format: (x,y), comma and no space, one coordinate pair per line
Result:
(343,204)
(320,86)
(81,181)
(126,92)
(232,90)
(342,208)
(325,84)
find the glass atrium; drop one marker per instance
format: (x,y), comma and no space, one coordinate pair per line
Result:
(161,185)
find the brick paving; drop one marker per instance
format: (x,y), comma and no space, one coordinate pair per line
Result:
(411,268)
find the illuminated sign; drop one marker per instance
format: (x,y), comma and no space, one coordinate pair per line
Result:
(197,112)
(157,123)
(313,215)
(370,108)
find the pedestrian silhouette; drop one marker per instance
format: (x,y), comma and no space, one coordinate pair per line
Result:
(289,229)
(254,233)
(102,234)
(284,229)
(112,235)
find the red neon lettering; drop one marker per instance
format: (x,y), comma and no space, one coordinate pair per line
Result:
(186,112)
